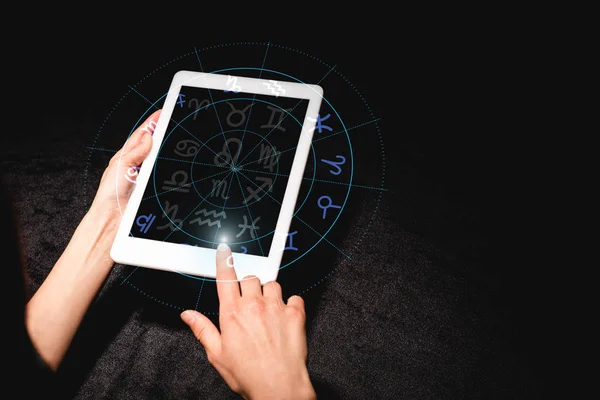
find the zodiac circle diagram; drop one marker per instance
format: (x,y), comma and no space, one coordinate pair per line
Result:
(222,168)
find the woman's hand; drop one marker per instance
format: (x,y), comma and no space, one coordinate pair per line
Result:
(57,308)
(261,351)
(120,175)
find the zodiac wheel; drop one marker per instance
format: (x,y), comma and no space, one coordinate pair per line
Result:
(224,165)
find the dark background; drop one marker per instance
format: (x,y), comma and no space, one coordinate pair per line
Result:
(442,303)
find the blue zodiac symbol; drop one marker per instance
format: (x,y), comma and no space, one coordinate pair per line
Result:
(232,82)
(291,246)
(180,101)
(319,126)
(245,249)
(336,164)
(144,222)
(329,204)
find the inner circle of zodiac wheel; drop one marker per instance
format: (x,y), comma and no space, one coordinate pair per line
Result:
(223,167)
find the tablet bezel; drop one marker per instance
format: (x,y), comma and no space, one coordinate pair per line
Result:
(200,261)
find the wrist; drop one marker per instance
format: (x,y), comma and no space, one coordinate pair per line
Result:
(293,387)
(103,220)
(94,237)
(306,390)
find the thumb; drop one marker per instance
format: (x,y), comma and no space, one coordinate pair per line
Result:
(139,144)
(204,330)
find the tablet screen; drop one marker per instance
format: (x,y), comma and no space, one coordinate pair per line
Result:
(221,170)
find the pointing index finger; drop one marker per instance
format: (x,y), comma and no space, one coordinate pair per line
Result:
(228,287)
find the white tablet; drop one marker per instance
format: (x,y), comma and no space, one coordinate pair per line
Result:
(227,160)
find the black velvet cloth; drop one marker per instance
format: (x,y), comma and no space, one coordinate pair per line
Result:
(427,309)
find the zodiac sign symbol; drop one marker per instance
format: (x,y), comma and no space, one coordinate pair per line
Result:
(253,228)
(274,87)
(336,164)
(230,261)
(191,147)
(319,126)
(268,156)
(208,221)
(223,158)
(241,113)
(253,193)
(329,204)
(282,114)
(219,188)
(149,128)
(180,99)
(281,244)
(178,186)
(144,222)
(132,171)
(199,105)
(172,219)
(291,246)
(231,81)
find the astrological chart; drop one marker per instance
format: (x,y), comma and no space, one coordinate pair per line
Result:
(224,162)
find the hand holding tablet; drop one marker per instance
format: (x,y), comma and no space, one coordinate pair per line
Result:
(226,163)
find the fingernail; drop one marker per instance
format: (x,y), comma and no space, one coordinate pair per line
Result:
(223,247)
(187,316)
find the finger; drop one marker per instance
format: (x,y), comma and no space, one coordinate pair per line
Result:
(250,286)
(145,128)
(137,137)
(296,302)
(204,330)
(136,156)
(272,290)
(228,288)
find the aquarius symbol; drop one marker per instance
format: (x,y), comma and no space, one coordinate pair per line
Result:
(282,114)
(291,246)
(231,81)
(274,87)
(144,222)
(180,101)
(208,221)
(241,113)
(319,126)
(336,164)
(253,228)
(329,204)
